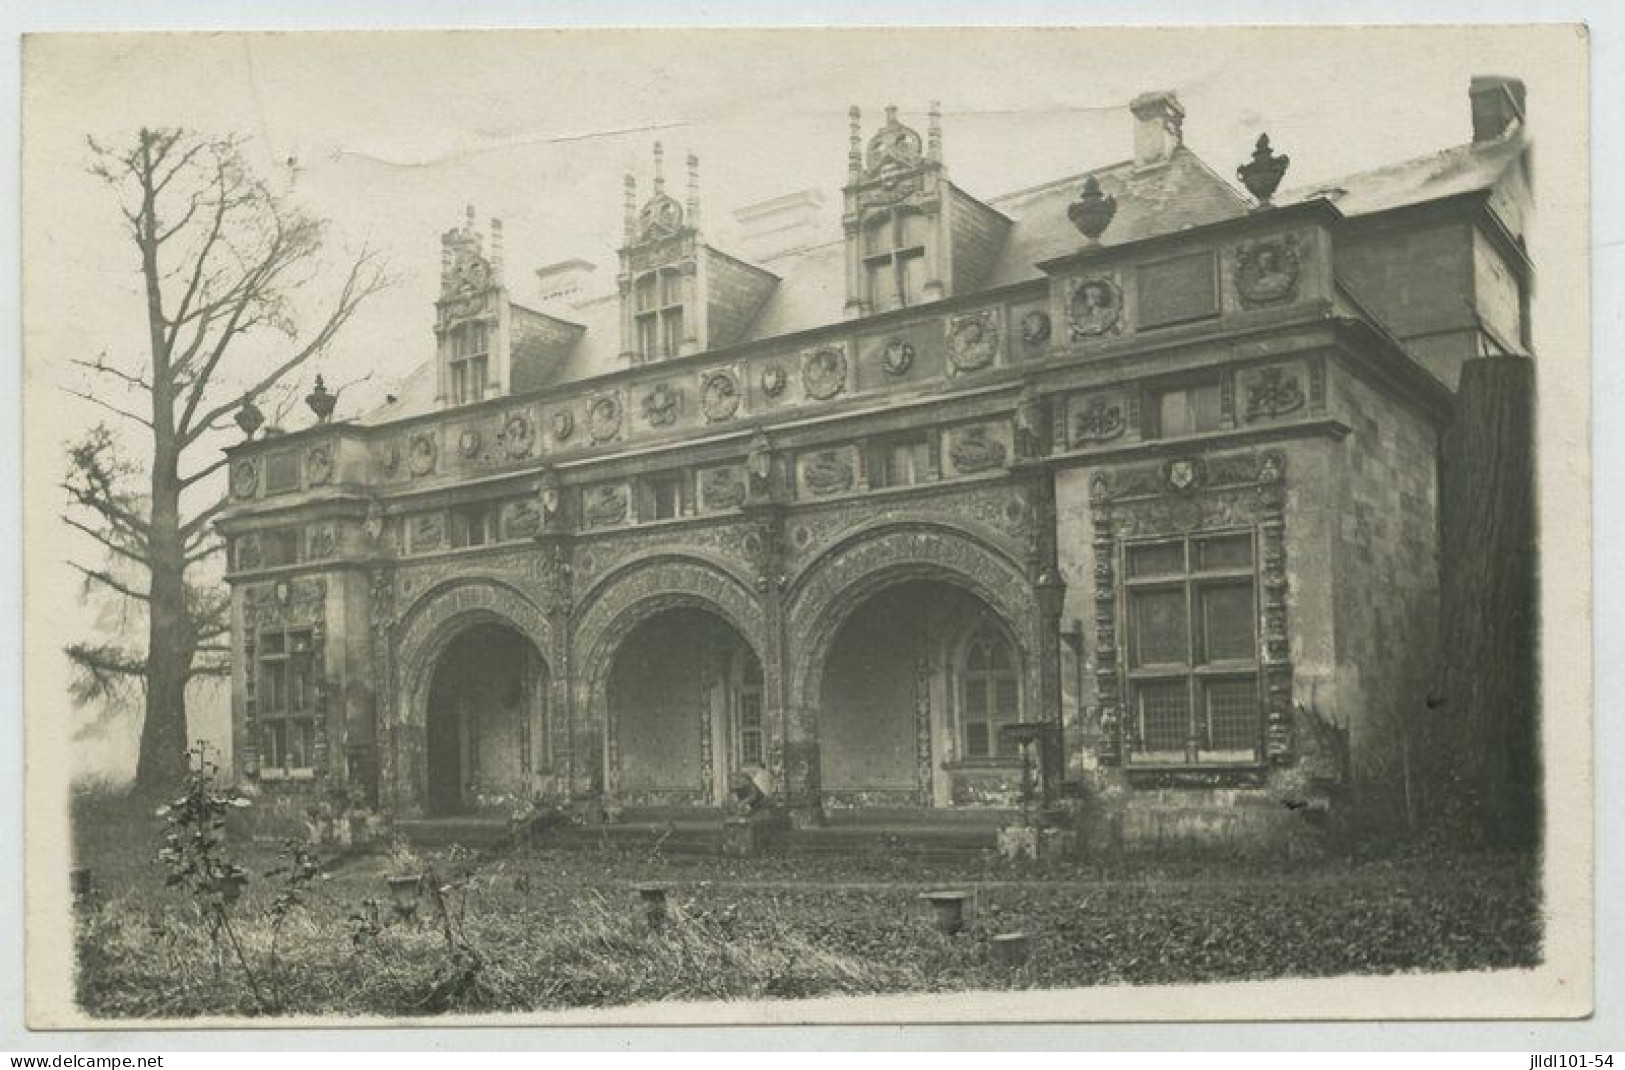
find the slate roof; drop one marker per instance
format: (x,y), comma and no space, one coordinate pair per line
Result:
(1453,171)
(1150,202)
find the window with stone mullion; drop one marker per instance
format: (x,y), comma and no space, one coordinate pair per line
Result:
(1193,672)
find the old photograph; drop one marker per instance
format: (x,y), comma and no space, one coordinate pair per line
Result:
(806,525)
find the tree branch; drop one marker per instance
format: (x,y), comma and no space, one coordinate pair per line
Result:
(107,579)
(109,406)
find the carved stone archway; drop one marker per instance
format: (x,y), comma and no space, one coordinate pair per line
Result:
(826,593)
(635,593)
(423,634)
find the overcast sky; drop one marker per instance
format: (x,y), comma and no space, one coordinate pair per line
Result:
(390,135)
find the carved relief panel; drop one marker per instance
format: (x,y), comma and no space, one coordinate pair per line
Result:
(1100,418)
(978,448)
(822,473)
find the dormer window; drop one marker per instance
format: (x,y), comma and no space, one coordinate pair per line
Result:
(659,313)
(470,362)
(894,258)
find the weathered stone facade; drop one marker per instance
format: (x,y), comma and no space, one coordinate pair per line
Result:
(1165,494)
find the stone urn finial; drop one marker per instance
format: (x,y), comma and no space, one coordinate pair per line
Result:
(249,418)
(320,401)
(1092,212)
(1262,176)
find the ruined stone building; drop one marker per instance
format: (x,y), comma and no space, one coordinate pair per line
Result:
(1134,461)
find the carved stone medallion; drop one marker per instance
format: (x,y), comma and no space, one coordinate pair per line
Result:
(1267,271)
(719,395)
(319,466)
(1035,328)
(973,340)
(564,424)
(774,380)
(420,453)
(661,405)
(974,449)
(604,417)
(468,443)
(897,357)
(1093,307)
(517,435)
(828,472)
(823,372)
(245,478)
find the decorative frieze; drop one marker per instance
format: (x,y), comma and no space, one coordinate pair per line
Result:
(287,602)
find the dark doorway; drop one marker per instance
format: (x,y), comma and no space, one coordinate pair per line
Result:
(487,718)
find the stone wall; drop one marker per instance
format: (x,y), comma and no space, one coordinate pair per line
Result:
(1384,570)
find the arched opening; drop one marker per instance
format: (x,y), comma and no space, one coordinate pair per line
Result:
(918,683)
(486,722)
(687,711)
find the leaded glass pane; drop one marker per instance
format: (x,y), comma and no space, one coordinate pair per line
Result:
(1160,627)
(1229,627)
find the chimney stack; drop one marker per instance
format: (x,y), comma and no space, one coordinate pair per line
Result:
(782,225)
(1497,104)
(565,285)
(1158,127)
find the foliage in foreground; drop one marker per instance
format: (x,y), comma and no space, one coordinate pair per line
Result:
(548,930)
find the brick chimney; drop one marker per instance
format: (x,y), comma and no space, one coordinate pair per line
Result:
(1497,104)
(782,225)
(1158,122)
(565,284)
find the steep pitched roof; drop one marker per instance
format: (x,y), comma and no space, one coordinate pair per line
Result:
(1150,201)
(1448,173)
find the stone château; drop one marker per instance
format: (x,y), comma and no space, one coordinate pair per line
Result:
(1118,495)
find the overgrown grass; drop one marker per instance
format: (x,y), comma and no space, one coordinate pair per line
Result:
(549,929)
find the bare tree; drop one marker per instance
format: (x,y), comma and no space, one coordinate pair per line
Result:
(221,257)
